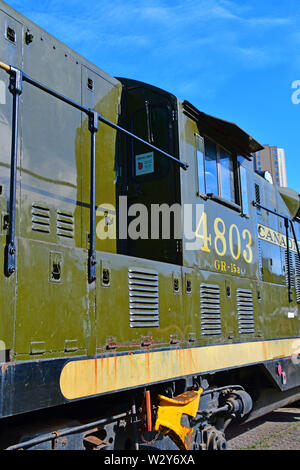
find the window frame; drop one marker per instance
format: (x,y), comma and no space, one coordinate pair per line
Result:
(238,204)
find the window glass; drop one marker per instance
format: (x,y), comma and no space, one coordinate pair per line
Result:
(149,164)
(160,127)
(244,189)
(200,163)
(211,175)
(227,175)
(217,171)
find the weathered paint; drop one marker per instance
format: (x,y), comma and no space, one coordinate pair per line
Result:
(78,378)
(54,162)
(169,416)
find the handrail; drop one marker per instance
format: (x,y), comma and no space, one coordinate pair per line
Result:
(17,77)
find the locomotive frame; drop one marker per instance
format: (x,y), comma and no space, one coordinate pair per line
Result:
(166,340)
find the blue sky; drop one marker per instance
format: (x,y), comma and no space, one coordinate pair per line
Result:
(235,60)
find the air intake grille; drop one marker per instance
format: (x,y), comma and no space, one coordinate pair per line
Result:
(40,218)
(257,194)
(210,310)
(292,272)
(143,298)
(297,276)
(65,224)
(258,197)
(245,311)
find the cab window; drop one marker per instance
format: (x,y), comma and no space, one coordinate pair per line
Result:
(200,163)
(217,171)
(244,187)
(211,173)
(227,188)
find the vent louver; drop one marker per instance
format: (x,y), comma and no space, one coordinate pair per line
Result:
(210,310)
(65,224)
(245,311)
(292,272)
(257,193)
(297,276)
(40,218)
(143,298)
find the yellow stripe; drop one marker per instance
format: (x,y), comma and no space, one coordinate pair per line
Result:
(88,377)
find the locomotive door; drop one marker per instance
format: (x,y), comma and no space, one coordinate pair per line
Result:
(52,303)
(151,180)
(11,41)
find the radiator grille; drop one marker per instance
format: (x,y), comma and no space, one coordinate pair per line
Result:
(143,298)
(245,311)
(292,272)
(40,218)
(297,276)
(65,224)
(210,310)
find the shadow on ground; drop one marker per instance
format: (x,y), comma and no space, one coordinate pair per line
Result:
(291,415)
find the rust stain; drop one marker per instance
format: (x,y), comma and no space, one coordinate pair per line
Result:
(101,371)
(182,360)
(95,375)
(147,360)
(188,440)
(264,347)
(189,359)
(115,370)
(177,357)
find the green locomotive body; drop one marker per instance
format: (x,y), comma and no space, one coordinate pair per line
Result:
(194,286)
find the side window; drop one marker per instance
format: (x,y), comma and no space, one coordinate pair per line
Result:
(211,172)
(200,163)
(227,176)
(217,171)
(244,188)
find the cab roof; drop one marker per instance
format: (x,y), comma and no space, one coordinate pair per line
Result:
(223,131)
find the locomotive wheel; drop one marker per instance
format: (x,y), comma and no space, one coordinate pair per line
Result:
(210,438)
(216,441)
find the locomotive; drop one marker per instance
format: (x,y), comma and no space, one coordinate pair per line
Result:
(150,280)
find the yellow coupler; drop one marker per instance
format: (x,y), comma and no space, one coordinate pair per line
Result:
(169,413)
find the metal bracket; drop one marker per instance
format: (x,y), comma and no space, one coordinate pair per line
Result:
(290,294)
(93,128)
(15,81)
(15,87)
